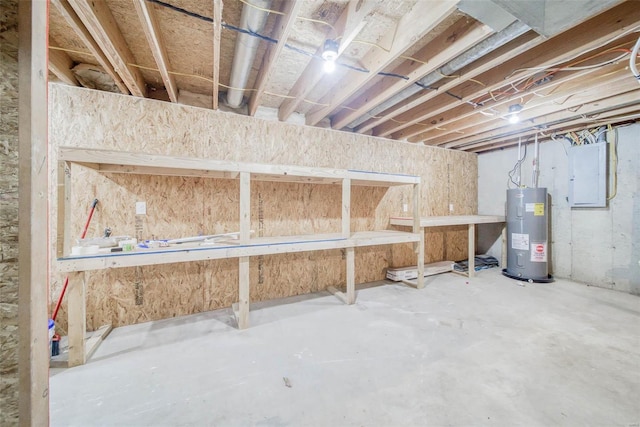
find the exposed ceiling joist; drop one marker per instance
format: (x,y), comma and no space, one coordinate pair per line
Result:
(349,24)
(573,123)
(98,19)
(572,44)
(463,35)
(217,29)
(78,26)
(384,125)
(587,110)
(60,64)
(281,33)
(422,18)
(465,117)
(459,98)
(147,16)
(562,96)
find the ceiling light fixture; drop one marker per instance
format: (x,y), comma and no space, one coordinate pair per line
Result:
(330,54)
(513,113)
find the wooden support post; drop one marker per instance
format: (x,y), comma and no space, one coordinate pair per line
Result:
(472,249)
(346,232)
(243,262)
(33,211)
(346,207)
(76,304)
(243,292)
(63,243)
(351,275)
(418,246)
(245,207)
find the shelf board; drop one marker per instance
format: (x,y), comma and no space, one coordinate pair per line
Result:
(109,161)
(232,249)
(444,221)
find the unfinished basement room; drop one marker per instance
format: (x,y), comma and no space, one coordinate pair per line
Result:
(320,213)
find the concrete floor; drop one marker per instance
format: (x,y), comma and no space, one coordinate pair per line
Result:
(489,351)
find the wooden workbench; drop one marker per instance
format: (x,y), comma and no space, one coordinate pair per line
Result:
(445,221)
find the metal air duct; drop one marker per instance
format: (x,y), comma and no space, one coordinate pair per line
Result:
(252,19)
(514,30)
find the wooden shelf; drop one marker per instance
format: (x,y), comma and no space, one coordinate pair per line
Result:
(444,221)
(109,161)
(187,252)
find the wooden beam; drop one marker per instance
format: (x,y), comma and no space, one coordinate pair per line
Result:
(33,211)
(487,62)
(576,123)
(418,247)
(98,19)
(92,344)
(625,103)
(60,64)
(243,292)
(147,16)
(348,26)
(462,35)
(338,294)
(570,95)
(350,260)
(243,262)
(346,207)
(284,25)
(440,124)
(77,314)
(217,28)
(74,22)
(422,18)
(584,38)
(471,252)
(256,247)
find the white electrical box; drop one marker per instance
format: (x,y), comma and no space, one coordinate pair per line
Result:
(588,175)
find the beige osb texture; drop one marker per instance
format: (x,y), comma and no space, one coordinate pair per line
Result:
(9,213)
(62,35)
(188,42)
(178,206)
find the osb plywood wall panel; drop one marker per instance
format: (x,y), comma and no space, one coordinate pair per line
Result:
(178,206)
(9,213)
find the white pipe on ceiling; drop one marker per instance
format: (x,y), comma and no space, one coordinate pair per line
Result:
(252,19)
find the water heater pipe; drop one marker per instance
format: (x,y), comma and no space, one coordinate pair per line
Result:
(520,159)
(536,163)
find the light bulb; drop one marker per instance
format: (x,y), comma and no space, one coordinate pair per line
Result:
(513,113)
(329,66)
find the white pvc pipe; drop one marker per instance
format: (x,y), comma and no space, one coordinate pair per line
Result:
(536,163)
(633,59)
(519,161)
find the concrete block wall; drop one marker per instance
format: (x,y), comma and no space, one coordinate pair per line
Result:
(597,246)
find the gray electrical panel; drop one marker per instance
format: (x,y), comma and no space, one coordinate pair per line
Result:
(588,175)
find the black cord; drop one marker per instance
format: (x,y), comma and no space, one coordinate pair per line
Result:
(288,46)
(181,10)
